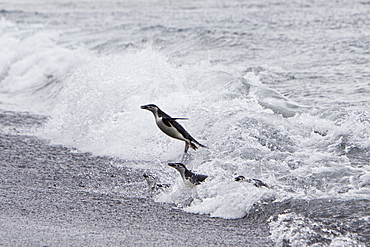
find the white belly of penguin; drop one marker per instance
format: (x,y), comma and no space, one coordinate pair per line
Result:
(171,131)
(188,183)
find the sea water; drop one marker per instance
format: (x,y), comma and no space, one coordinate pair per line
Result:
(277,90)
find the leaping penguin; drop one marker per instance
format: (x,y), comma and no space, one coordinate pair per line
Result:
(188,177)
(172,128)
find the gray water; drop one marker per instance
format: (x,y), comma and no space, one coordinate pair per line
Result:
(278,91)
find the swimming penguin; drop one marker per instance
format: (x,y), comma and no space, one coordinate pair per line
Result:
(256,182)
(152,183)
(188,177)
(172,128)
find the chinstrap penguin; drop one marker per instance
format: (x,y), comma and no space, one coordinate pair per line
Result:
(256,182)
(152,183)
(188,176)
(171,127)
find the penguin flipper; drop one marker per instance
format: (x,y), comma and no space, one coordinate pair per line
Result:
(177,118)
(174,118)
(169,121)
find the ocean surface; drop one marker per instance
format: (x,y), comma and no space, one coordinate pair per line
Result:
(278,90)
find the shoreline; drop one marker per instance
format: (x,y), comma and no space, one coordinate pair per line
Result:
(52,196)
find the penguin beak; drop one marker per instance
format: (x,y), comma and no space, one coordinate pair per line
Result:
(144,107)
(172,164)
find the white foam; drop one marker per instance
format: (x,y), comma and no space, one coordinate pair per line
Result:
(219,196)
(99,111)
(297,230)
(31,61)
(94,105)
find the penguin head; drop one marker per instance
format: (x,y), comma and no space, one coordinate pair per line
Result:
(239,178)
(146,176)
(151,107)
(149,177)
(179,166)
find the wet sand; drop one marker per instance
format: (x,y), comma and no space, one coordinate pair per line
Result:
(54,196)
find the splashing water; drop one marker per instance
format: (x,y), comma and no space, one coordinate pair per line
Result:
(290,109)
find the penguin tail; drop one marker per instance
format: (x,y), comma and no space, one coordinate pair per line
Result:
(200,145)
